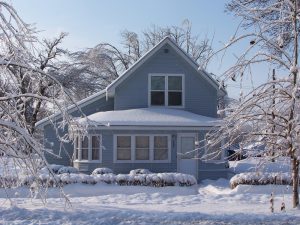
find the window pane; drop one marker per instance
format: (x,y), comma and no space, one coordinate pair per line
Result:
(175,83)
(123,154)
(95,147)
(85,142)
(160,147)
(160,142)
(95,142)
(157,98)
(84,154)
(142,142)
(142,147)
(142,154)
(95,154)
(157,83)
(76,153)
(124,141)
(161,154)
(175,98)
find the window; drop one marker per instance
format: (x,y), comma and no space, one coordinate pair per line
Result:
(140,148)
(123,148)
(76,147)
(95,148)
(85,148)
(88,148)
(158,90)
(160,148)
(166,90)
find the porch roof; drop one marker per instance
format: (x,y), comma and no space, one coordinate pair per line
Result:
(149,117)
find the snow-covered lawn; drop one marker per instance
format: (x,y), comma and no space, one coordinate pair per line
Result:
(212,202)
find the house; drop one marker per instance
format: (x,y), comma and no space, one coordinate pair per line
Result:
(154,116)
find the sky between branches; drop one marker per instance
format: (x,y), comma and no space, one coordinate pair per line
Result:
(91,22)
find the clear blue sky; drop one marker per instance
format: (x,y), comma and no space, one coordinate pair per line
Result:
(90,22)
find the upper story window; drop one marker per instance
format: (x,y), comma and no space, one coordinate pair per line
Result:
(166,90)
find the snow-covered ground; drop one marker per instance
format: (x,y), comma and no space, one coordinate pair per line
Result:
(211,202)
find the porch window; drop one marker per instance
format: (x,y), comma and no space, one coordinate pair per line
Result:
(160,147)
(123,147)
(95,147)
(87,148)
(76,148)
(140,148)
(166,90)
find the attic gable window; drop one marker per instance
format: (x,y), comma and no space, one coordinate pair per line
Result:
(166,90)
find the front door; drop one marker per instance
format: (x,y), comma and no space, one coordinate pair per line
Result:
(187,154)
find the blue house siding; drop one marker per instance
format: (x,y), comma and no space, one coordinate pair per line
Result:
(65,150)
(131,92)
(200,96)
(206,170)
(108,150)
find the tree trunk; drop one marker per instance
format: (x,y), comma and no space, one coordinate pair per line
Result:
(295,178)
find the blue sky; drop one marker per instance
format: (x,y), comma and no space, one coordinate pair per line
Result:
(90,22)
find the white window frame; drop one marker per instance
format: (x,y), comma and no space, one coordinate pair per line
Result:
(151,149)
(222,153)
(89,160)
(166,75)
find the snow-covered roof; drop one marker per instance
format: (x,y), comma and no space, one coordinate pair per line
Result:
(149,117)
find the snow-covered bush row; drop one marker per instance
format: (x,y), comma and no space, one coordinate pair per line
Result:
(153,179)
(67,169)
(102,170)
(139,171)
(261,178)
(55,168)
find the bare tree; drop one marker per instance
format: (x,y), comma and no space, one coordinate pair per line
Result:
(105,62)
(270,112)
(25,87)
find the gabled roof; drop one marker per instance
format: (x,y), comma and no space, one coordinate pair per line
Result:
(110,89)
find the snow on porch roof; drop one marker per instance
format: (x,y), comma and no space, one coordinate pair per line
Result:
(149,117)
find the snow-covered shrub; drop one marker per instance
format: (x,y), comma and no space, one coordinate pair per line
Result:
(261,178)
(67,169)
(124,179)
(139,171)
(102,171)
(106,178)
(55,168)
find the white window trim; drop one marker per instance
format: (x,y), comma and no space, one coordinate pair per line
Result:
(215,160)
(89,149)
(151,150)
(166,89)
